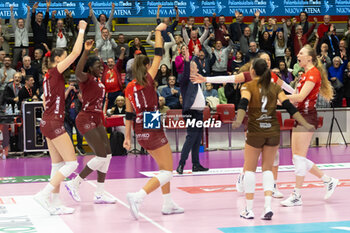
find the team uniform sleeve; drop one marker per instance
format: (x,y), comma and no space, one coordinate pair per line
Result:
(313,76)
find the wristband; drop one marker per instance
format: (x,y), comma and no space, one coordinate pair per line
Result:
(158,51)
(82,31)
(129,116)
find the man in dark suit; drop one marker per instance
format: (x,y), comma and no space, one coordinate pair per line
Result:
(26,92)
(12,89)
(193,105)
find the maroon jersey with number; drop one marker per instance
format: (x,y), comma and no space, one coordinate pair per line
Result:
(93,92)
(54,89)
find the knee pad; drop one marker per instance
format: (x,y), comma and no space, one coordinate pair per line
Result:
(302,165)
(96,163)
(69,168)
(55,167)
(164,177)
(268,181)
(276,161)
(249,182)
(105,166)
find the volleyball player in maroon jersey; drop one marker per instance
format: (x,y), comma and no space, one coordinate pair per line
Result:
(90,124)
(141,97)
(64,161)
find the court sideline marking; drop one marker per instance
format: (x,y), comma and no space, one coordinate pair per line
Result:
(140,214)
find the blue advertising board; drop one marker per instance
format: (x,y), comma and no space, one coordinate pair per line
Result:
(198,8)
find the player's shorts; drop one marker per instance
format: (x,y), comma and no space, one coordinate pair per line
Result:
(150,139)
(261,141)
(310,117)
(52,128)
(88,121)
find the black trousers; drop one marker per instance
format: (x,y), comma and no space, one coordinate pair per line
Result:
(193,138)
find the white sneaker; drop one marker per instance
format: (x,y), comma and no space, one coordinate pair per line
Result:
(247,214)
(61,210)
(239,183)
(292,200)
(134,204)
(103,198)
(73,190)
(43,200)
(3,156)
(277,194)
(267,215)
(330,186)
(172,209)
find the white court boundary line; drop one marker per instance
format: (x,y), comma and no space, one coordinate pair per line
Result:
(127,206)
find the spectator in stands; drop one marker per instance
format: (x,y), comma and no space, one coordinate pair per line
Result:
(162,107)
(4,37)
(60,30)
(6,72)
(73,105)
(20,30)
(163,75)
(210,91)
(2,56)
(303,22)
(346,80)
(299,37)
(347,32)
(170,27)
(221,54)
(206,24)
(280,43)
(119,106)
(101,22)
(39,26)
(137,46)
(128,75)
(324,27)
(270,26)
(332,42)
(106,45)
(265,39)
(193,41)
(284,74)
(294,83)
(112,79)
(233,93)
(221,94)
(220,30)
(204,63)
(37,63)
(171,94)
(288,59)
(26,92)
(121,44)
(176,51)
(237,28)
(248,36)
(343,48)
(336,75)
(253,51)
(12,90)
(180,60)
(189,26)
(325,59)
(238,62)
(166,59)
(28,69)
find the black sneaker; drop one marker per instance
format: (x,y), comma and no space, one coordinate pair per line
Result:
(199,168)
(80,150)
(180,169)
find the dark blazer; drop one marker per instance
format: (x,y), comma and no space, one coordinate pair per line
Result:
(187,88)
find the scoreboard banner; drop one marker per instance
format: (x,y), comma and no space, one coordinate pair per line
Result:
(197,8)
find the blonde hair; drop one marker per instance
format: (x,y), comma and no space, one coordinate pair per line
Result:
(326,89)
(139,69)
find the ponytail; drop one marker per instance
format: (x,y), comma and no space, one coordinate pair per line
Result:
(264,73)
(326,89)
(139,69)
(49,58)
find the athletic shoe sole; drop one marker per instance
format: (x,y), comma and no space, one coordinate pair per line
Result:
(71,193)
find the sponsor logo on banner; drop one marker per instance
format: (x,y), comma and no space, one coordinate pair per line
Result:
(237,170)
(297,6)
(247,7)
(27,216)
(259,187)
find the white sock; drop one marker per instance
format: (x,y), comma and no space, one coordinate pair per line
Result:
(55,198)
(48,189)
(100,187)
(326,178)
(77,180)
(249,204)
(268,201)
(297,191)
(167,200)
(141,194)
